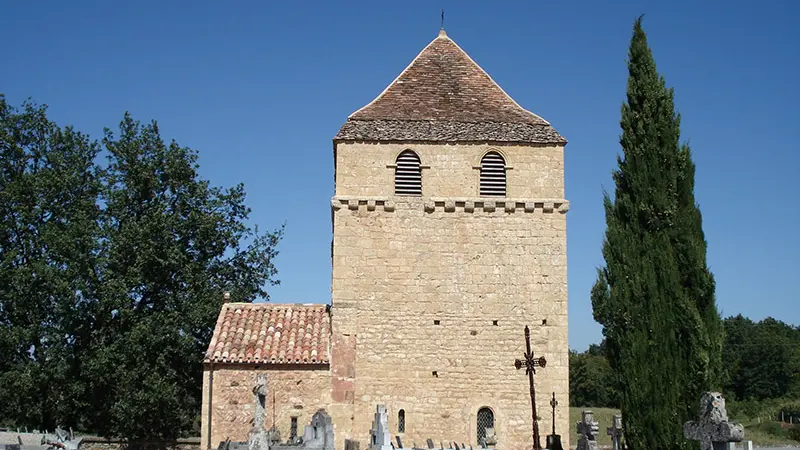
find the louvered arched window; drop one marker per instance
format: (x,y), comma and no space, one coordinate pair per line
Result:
(407,174)
(493,175)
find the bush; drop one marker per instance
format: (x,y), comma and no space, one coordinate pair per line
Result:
(794,433)
(767,408)
(772,428)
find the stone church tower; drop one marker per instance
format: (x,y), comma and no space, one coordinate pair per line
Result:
(449,237)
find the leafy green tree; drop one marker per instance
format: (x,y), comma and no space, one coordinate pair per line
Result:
(763,358)
(173,244)
(655,295)
(111,278)
(49,187)
(592,383)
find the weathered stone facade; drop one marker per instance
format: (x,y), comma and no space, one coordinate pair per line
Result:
(228,399)
(483,275)
(430,293)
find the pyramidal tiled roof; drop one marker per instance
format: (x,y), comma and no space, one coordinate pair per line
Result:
(268,333)
(443,95)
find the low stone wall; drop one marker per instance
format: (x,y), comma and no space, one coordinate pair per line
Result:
(94,443)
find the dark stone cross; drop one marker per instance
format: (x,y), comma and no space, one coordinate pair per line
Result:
(530,363)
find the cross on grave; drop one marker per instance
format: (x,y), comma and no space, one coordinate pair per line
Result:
(554,440)
(588,430)
(713,429)
(530,363)
(615,431)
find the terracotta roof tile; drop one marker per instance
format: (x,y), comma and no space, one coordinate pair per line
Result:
(442,95)
(268,333)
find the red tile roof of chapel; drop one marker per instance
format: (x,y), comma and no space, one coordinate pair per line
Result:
(443,95)
(268,333)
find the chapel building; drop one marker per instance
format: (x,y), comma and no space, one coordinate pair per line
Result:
(449,237)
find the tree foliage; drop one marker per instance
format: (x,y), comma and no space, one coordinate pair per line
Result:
(655,295)
(762,359)
(112,277)
(592,382)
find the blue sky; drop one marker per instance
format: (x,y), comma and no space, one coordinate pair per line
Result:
(260,89)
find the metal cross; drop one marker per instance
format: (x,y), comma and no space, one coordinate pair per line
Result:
(530,363)
(554,403)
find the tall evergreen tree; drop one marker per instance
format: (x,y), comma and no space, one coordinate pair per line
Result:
(655,295)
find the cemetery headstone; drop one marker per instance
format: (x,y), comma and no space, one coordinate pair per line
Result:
(273,435)
(258,439)
(615,431)
(588,429)
(713,429)
(380,430)
(319,434)
(491,438)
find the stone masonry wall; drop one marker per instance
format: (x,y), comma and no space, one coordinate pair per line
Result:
(446,283)
(535,172)
(295,390)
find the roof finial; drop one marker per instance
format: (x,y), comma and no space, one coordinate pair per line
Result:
(441,31)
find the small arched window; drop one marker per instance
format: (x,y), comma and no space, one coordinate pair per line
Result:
(401,421)
(485,420)
(407,174)
(493,175)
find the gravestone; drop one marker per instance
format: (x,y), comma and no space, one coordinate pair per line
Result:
(273,436)
(258,439)
(588,429)
(713,429)
(615,431)
(380,439)
(491,439)
(319,434)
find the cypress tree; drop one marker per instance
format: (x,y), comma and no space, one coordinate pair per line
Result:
(655,295)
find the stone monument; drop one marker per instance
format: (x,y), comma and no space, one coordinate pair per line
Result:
(713,429)
(319,435)
(615,431)
(588,429)
(380,439)
(258,438)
